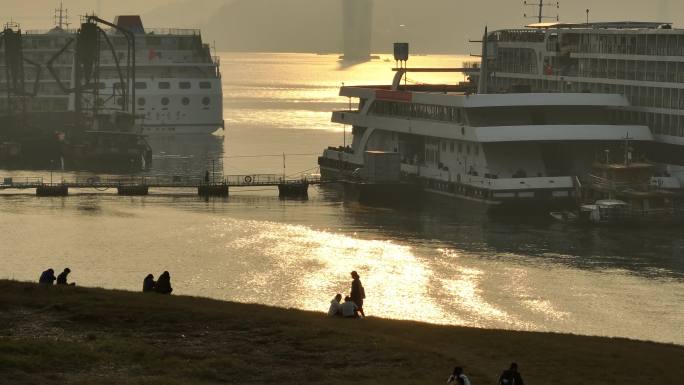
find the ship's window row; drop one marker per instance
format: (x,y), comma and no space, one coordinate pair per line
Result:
(165,101)
(640,70)
(655,44)
(160,85)
(625,44)
(417,111)
(516,60)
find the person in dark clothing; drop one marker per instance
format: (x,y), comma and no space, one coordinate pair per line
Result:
(511,376)
(163,285)
(63,276)
(458,378)
(47,277)
(149,284)
(357,292)
(206,177)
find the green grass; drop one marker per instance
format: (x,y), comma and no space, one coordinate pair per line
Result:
(66,335)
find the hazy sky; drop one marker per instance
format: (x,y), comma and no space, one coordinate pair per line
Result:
(460,19)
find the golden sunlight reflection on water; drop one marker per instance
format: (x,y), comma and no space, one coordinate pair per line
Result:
(396,282)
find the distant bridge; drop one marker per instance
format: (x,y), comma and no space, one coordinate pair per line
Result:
(137,186)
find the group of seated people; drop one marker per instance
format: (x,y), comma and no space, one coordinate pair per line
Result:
(161,286)
(48,278)
(347,309)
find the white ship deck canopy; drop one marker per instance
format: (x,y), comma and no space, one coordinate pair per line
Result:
(537,133)
(487,100)
(603,25)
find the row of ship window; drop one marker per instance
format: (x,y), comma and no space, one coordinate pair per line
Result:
(142,102)
(640,70)
(418,111)
(652,44)
(459,146)
(183,85)
(524,61)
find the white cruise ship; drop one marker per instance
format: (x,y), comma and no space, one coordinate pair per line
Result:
(644,61)
(178,81)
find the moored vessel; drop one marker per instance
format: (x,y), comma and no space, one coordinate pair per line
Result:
(501,150)
(178,80)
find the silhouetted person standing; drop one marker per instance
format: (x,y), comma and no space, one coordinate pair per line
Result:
(163,285)
(63,277)
(511,376)
(47,277)
(358,294)
(149,284)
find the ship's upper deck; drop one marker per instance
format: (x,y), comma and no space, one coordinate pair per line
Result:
(441,96)
(536,32)
(132,23)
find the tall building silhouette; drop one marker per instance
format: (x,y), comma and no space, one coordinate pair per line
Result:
(356,29)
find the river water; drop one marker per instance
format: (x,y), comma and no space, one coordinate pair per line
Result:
(439,263)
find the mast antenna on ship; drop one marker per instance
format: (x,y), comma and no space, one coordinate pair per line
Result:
(62,17)
(541,4)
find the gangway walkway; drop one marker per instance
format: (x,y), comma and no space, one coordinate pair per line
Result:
(140,185)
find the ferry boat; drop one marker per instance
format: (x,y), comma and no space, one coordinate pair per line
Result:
(178,82)
(504,150)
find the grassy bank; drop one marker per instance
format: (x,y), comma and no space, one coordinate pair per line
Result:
(66,335)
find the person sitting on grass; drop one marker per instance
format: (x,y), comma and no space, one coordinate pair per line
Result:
(149,284)
(349,308)
(335,306)
(458,378)
(163,285)
(47,277)
(63,276)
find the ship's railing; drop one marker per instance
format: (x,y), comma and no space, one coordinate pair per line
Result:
(517,35)
(173,31)
(44,31)
(11,181)
(612,185)
(148,31)
(471,64)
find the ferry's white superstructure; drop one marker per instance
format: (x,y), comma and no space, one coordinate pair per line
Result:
(178,82)
(499,149)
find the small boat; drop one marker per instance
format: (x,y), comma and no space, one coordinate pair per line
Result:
(605,211)
(564,216)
